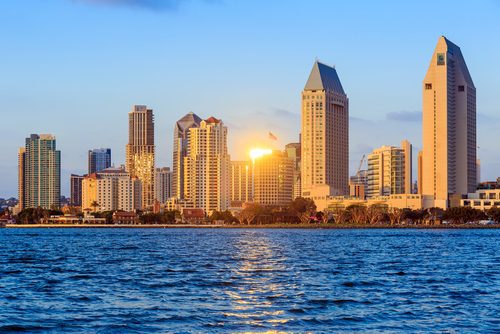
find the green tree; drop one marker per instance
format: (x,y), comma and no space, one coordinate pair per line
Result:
(304,208)
(494,214)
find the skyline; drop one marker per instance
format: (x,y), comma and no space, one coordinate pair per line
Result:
(260,96)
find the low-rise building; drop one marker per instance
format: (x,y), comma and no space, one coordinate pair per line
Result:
(482,199)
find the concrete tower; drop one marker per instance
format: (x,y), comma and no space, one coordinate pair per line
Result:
(449,126)
(325,135)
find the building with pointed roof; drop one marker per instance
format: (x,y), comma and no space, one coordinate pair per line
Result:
(181,129)
(325,135)
(449,126)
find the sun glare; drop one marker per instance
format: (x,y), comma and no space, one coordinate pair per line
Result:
(259,152)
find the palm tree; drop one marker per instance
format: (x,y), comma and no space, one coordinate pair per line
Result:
(95,205)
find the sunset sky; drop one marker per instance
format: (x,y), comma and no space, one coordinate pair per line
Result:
(74,68)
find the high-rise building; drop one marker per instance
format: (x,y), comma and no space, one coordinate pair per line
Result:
(420,178)
(206,166)
(408,153)
(99,159)
(42,172)
(293,151)
(111,189)
(163,184)
(21,185)
(478,171)
(140,151)
(449,126)
(387,172)
(273,179)
(325,134)
(75,183)
(241,182)
(181,131)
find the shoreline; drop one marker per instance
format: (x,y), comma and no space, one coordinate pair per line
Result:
(270,226)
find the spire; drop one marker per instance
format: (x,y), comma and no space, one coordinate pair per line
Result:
(323,77)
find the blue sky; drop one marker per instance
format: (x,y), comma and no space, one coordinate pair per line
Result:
(74,68)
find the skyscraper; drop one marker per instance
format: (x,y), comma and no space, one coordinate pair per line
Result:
(325,134)
(99,159)
(181,131)
(449,126)
(293,151)
(163,184)
(408,175)
(42,172)
(387,172)
(206,166)
(21,184)
(75,183)
(273,178)
(140,151)
(241,183)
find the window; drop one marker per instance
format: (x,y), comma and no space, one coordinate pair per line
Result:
(428,86)
(461,88)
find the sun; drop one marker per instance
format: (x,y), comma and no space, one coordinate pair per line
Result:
(259,152)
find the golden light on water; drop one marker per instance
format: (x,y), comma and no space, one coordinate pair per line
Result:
(259,152)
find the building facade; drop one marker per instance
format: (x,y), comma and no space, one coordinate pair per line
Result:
(140,151)
(273,179)
(111,189)
(163,184)
(181,131)
(449,126)
(99,159)
(293,151)
(325,135)
(42,172)
(241,182)
(75,183)
(206,166)
(21,184)
(387,171)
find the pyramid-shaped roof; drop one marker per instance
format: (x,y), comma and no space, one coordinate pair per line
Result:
(188,121)
(324,77)
(455,51)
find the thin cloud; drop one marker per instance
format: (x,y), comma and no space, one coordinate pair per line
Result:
(404,116)
(147,4)
(278,112)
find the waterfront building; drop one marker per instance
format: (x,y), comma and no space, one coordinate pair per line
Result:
(325,135)
(140,151)
(273,178)
(206,166)
(387,171)
(21,184)
(163,184)
(449,126)
(111,189)
(99,159)
(181,131)
(241,182)
(293,151)
(42,172)
(76,189)
(482,199)
(420,178)
(358,184)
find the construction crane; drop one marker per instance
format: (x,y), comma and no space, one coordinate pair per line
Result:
(361,164)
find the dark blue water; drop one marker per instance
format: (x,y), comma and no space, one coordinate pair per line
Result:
(210,280)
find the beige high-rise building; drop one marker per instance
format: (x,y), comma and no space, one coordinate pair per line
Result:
(325,135)
(387,171)
(420,172)
(206,166)
(140,151)
(449,126)
(42,172)
(241,176)
(21,186)
(112,189)
(181,131)
(273,179)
